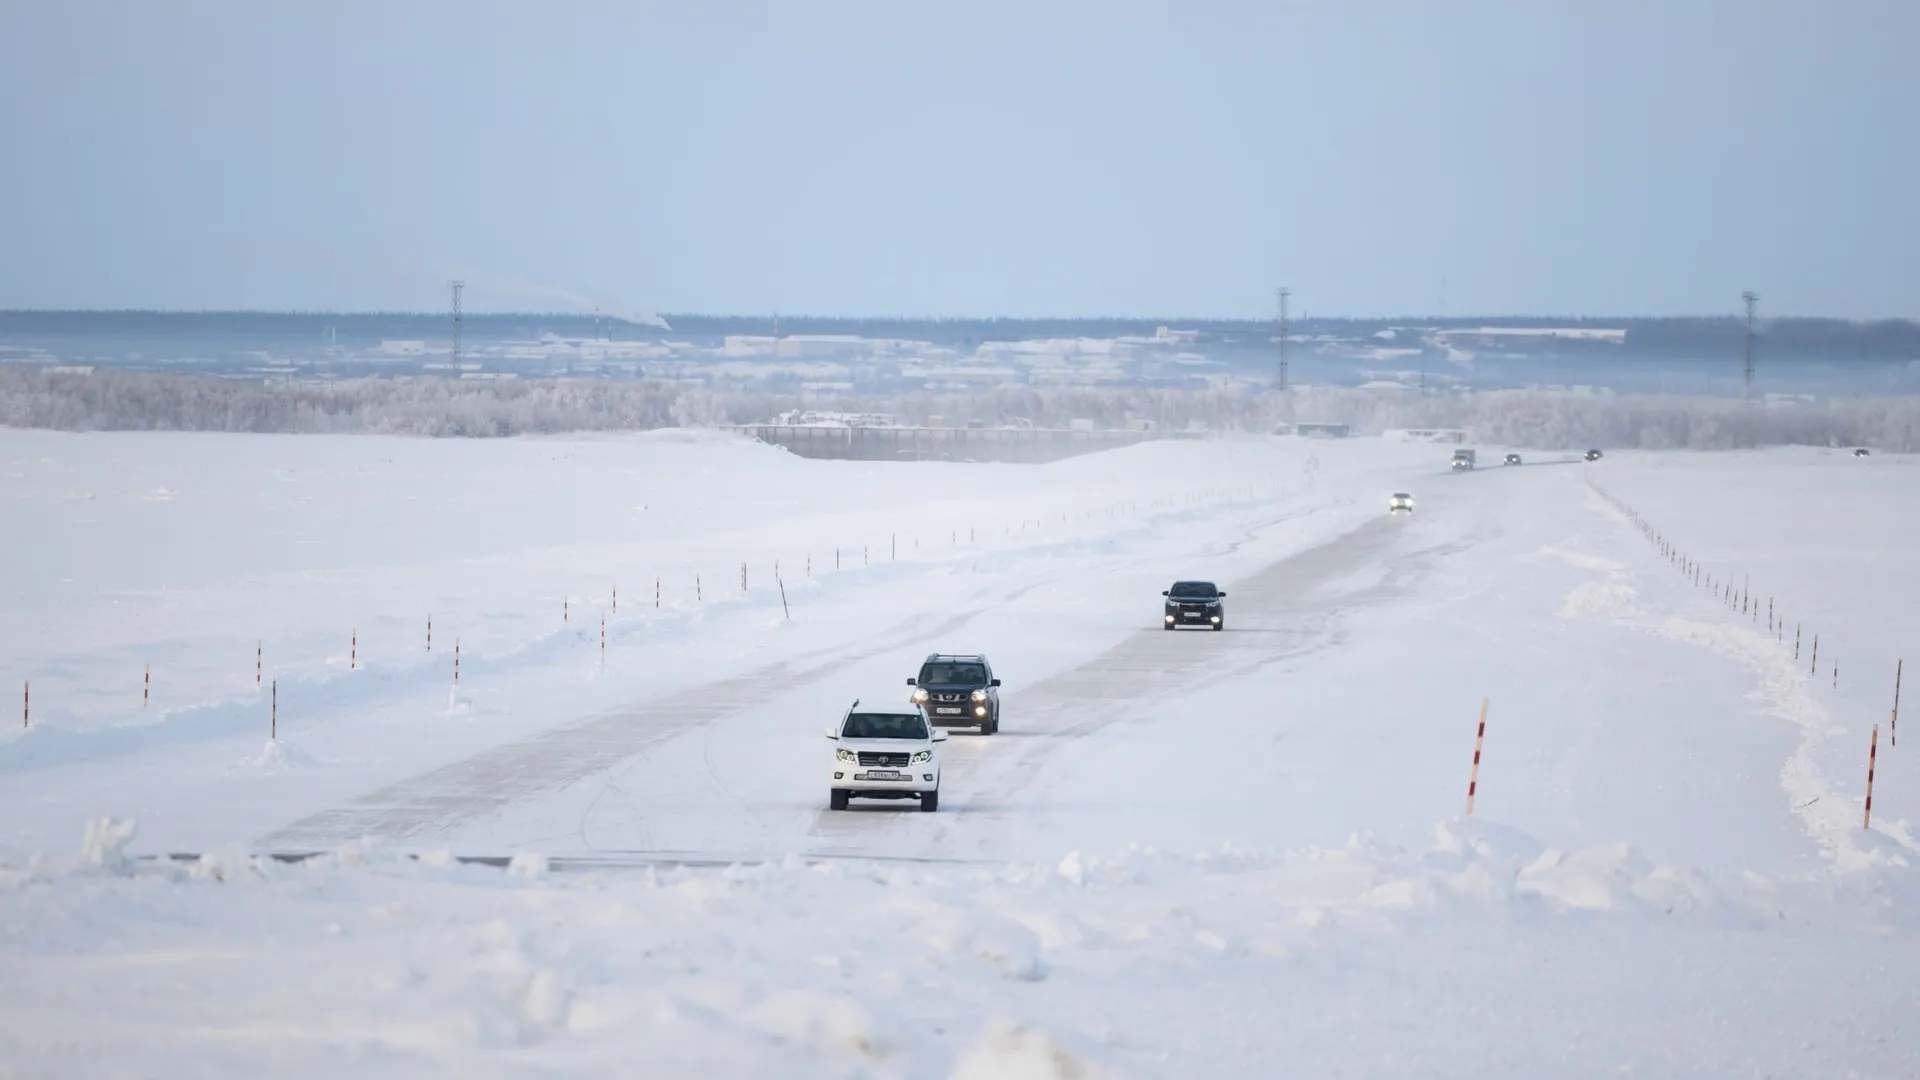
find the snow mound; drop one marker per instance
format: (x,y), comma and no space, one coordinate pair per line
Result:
(1601,600)
(276,757)
(1010,1051)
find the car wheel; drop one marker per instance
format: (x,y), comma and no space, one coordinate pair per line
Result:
(991,724)
(1169,626)
(1219,626)
(837,800)
(930,801)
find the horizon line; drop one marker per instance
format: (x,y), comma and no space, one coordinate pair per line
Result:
(1163,320)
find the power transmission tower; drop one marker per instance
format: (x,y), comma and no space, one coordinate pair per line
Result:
(1751,299)
(454,354)
(1283,295)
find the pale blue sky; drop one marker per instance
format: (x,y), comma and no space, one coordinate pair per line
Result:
(1021,158)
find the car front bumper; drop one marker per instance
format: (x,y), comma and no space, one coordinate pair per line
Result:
(1193,618)
(858,779)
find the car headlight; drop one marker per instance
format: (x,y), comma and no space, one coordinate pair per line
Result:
(847,756)
(979,695)
(923,757)
(919,696)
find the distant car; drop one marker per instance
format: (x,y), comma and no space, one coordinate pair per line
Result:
(885,752)
(1401,503)
(1195,603)
(1860,451)
(1512,459)
(1593,455)
(958,690)
(1462,461)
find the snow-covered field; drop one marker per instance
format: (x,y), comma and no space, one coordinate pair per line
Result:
(1185,854)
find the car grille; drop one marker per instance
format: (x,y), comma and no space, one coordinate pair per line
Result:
(882,758)
(949,698)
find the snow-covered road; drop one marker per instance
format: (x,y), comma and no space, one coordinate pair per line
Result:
(1184,854)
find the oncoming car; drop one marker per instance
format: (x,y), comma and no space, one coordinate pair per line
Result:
(1860,451)
(1195,603)
(1512,459)
(958,690)
(885,752)
(1401,503)
(1593,455)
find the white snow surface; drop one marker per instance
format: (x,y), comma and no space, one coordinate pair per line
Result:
(1193,854)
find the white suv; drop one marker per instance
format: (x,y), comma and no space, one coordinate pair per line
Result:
(885,752)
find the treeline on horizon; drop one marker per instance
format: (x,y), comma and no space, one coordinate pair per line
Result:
(1882,339)
(1540,419)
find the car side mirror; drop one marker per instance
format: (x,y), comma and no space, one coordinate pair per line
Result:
(832,734)
(993,682)
(939,735)
(1223,592)
(910,682)
(1164,592)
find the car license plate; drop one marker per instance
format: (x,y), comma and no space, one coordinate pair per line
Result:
(948,712)
(883,774)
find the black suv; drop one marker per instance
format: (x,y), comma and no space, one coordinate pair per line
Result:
(958,690)
(1195,603)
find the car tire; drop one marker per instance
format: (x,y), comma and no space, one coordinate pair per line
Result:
(930,801)
(1220,626)
(837,799)
(1169,626)
(991,724)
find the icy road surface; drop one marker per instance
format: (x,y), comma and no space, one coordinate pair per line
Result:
(1189,853)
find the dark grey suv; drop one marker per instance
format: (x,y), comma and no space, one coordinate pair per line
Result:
(958,690)
(1195,603)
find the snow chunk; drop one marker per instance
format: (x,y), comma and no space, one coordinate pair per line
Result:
(105,844)
(527,864)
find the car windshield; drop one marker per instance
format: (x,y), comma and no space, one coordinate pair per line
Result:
(873,725)
(1193,590)
(943,673)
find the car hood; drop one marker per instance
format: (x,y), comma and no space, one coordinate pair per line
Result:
(894,745)
(1192,599)
(952,688)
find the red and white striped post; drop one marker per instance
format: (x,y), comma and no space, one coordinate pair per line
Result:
(696,588)
(1813,665)
(353,652)
(456,661)
(26,704)
(656,592)
(259,650)
(616,601)
(273,714)
(146,685)
(603,637)
(1873,751)
(429,633)
(1473,779)
(566,609)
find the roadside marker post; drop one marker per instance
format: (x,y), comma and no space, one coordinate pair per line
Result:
(456,661)
(273,713)
(1873,752)
(1893,728)
(26,704)
(259,650)
(1473,778)
(146,685)
(353,652)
